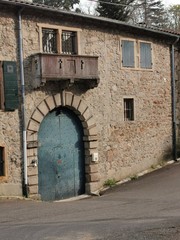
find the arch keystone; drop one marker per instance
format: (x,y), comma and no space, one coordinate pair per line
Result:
(68,99)
(57,99)
(90,138)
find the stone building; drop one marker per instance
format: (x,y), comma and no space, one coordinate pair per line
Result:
(83,100)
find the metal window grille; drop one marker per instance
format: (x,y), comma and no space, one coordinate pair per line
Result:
(1,161)
(69,42)
(128,109)
(49,40)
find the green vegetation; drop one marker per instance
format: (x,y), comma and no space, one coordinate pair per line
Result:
(110,182)
(135,177)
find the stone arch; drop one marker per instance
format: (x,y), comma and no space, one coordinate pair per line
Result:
(90,138)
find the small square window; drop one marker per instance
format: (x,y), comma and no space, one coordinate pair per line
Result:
(69,40)
(128,109)
(2,166)
(49,40)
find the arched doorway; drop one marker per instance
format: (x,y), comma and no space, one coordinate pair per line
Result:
(61,167)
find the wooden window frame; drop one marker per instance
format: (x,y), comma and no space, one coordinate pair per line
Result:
(59,30)
(139,47)
(137,54)
(134,60)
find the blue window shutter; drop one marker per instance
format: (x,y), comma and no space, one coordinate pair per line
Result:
(128,53)
(145,55)
(10,85)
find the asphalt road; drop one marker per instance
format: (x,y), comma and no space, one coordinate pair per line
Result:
(144,209)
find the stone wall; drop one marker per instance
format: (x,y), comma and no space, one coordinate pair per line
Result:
(125,148)
(9,121)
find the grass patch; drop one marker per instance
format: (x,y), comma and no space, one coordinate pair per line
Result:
(110,182)
(135,177)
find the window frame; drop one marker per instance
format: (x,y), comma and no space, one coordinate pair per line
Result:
(53,33)
(4,156)
(59,30)
(139,46)
(134,53)
(73,41)
(125,117)
(1,87)
(137,54)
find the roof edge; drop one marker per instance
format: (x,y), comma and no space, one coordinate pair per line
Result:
(23,4)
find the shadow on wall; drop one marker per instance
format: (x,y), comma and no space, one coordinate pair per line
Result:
(178,149)
(167,154)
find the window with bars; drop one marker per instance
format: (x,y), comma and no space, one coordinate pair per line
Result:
(49,40)
(128,109)
(68,40)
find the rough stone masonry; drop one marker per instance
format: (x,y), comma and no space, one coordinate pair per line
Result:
(125,147)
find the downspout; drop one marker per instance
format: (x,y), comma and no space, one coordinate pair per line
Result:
(173,100)
(24,141)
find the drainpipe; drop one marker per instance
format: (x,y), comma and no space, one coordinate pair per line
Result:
(173,100)
(24,141)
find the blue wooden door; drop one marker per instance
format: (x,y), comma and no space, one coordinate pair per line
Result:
(61,171)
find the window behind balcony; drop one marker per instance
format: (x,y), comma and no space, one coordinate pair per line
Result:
(68,39)
(49,40)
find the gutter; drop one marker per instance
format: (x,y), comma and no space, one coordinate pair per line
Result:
(173,85)
(21,63)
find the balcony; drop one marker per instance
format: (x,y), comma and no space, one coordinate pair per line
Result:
(69,69)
